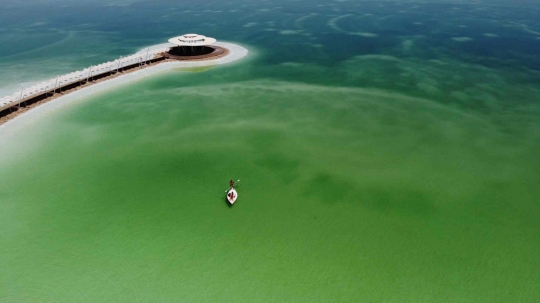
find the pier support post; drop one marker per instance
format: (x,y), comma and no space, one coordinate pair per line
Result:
(89,73)
(119,62)
(55,83)
(20,98)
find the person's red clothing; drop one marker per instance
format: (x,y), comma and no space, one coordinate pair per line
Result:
(231,183)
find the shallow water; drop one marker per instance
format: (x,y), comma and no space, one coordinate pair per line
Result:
(385,171)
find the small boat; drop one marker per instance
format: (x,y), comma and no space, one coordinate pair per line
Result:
(232,195)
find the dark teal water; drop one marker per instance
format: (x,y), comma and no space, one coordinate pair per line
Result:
(388,152)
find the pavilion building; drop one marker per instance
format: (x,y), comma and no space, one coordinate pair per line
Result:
(193,44)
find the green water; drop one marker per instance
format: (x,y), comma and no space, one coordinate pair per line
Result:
(371,196)
(389,171)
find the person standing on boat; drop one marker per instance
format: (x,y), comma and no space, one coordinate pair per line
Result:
(231,183)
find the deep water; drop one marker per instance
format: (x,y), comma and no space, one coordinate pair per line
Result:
(388,152)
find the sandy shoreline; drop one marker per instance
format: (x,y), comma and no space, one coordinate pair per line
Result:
(25,115)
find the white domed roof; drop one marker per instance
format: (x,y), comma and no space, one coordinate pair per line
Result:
(192,40)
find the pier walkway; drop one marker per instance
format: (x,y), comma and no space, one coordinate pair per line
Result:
(47,88)
(166,55)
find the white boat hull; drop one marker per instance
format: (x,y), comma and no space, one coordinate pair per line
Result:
(232,195)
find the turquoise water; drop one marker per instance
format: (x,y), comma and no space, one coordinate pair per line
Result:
(401,167)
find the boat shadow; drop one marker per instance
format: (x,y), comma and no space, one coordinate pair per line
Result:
(227,202)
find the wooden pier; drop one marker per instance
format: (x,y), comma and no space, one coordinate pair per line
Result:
(36,97)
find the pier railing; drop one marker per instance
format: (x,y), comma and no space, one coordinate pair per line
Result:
(87,74)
